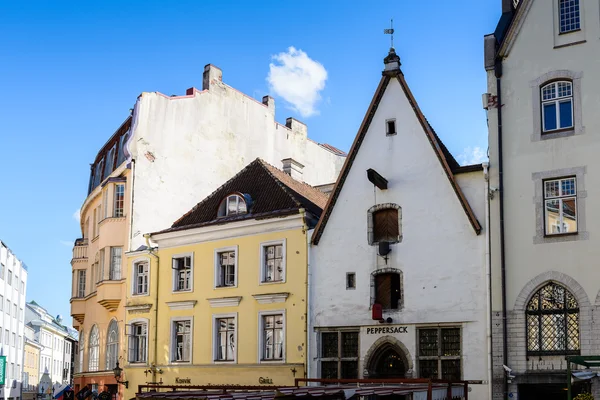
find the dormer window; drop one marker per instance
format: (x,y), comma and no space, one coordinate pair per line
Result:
(232,205)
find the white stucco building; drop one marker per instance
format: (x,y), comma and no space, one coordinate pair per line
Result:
(13,287)
(56,346)
(543,69)
(404,230)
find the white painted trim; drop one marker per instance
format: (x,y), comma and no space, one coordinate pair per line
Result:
(133,277)
(172,340)
(262,314)
(269,298)
(181,305)
(215,333)
(225,301)
(216,266)
(174,273)
(261,261)
(145,321)
(226,231)
(140,308)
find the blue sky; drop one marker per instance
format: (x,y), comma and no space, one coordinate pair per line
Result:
(70,72)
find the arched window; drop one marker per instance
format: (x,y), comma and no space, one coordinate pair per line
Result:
(552,321)
(232,205)
(93,349)
(557,106)
(112,345)
(81,350)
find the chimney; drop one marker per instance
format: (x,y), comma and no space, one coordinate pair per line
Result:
(391,63)
(508,6)
(293,168)
(269,102)
(210,76)
(296,126)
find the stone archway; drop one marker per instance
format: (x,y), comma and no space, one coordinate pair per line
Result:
(388,358)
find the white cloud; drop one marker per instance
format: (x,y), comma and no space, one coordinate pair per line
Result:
(77,215)
(68,243)
(298,79)
(472,155)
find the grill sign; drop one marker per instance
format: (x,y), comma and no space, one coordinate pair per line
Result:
(387,329)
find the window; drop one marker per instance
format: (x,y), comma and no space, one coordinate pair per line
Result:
(22,287)
(13,342)
(119,200)
(110,159)
(569,15)
(21,314)
(81,283)
(232,205)
(6,336)
(560,206)
(226,266)
(552,322)
(272,337)
(112,345)
(93,349)
(121,152)
(439,353)
(9,278)
(15,311)
(182,341)
(182,273)
(140,278)
(81,349)
(385,225)
(105,202)
(8,306)
(2,268)
(138,342)
(387,290)
(95,227)
(225,340)
(1,302)
(557,106)
(273,259)
(350,280)
(100,269)
(115,263)
(390,126)
(339,355)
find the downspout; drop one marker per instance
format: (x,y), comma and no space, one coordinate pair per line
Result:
(308,277)
(488,281)
(155,336)
(131,202)
(498,73)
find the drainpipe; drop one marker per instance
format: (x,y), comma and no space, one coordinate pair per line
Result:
(308,278)
(498,73)
(155,355)
(131,202)
(488,281)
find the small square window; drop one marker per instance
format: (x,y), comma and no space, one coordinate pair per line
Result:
(350,280)
(390,126)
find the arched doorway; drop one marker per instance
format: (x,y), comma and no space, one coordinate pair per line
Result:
(388,359)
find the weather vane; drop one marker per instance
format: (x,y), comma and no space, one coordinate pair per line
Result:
(390,31)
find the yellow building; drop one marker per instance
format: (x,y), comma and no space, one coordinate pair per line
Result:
(98,283)
(220,297)
(31,365)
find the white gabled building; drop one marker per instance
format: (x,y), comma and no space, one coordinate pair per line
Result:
(404,229)
(13,287)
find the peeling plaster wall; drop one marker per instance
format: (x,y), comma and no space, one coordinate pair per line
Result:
(184,148)
(441,257)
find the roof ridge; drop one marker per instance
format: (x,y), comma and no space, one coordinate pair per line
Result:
(285,188)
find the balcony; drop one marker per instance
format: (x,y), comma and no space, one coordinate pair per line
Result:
(78,309)
(108,294)
(80,250)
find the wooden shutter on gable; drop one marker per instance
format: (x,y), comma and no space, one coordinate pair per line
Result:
(385,225)
(383,287)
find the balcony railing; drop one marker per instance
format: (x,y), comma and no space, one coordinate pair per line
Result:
(80,249)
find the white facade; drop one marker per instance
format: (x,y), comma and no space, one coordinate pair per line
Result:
(184,147)
(13,286)
(55,354)
(441,257)
(534,53)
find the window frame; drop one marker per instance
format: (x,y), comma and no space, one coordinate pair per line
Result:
(215,335)
(439,358)
(560,199)
(579,16)
(113,327)
(371,222)
(175,273)
(96,347)
(348,286)
(557,101)
(141,322)
(387,130)
(173,341)
(111,267)
(81,285)
(217,267)
(118,197)
(225,212)
(261,336)
(263,261)
(134,282)
(339,359)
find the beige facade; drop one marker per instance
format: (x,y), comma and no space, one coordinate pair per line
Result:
(31,368)
(543,84)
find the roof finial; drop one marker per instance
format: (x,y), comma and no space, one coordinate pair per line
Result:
(390,32)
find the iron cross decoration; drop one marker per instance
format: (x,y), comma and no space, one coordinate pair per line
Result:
(390,31)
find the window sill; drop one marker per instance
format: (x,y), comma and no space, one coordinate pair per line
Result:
(272,282)
(180,362)
(553,235)
(557,133)
(565,237)
(226,287)
(183,291)
(560,46)
(281,361)
(140,294)
(224,361)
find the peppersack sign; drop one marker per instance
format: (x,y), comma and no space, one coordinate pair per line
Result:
(382,330)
